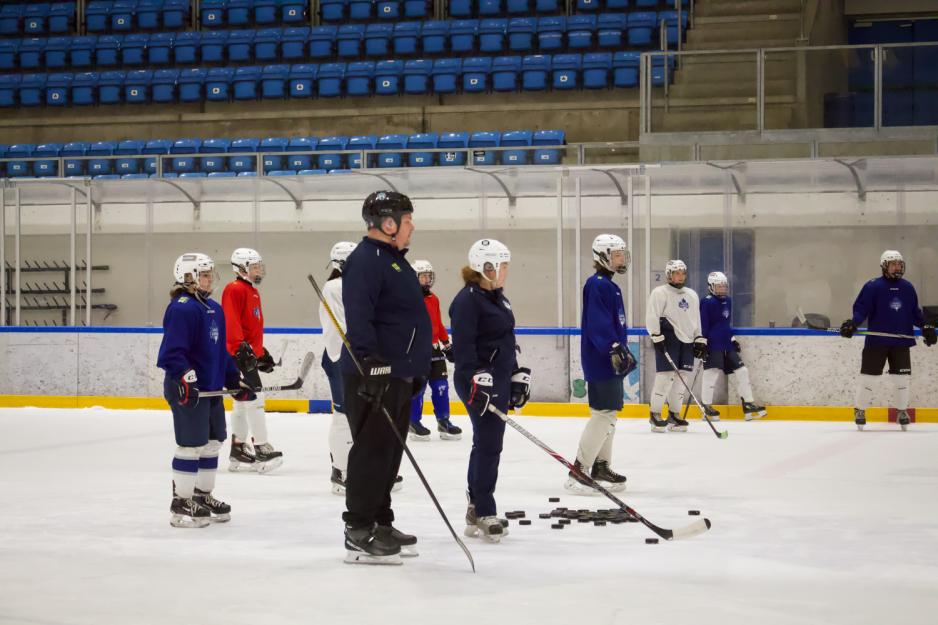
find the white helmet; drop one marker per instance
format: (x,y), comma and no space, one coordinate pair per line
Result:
(715,279)
(424,266)
(241,261)
(603,247)
(339,254)
(488,254)
(672,266)
(188,267)
(889,256)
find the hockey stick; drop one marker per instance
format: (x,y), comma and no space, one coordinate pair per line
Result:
(292,386)
(814,326)
(688,531)
(397,435)
(687,405)
(694,397)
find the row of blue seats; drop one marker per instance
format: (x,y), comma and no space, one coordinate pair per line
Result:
(282,154)
(352,41)
(36,19)
(561,72)
(147,15)
(485,8)
(900,108)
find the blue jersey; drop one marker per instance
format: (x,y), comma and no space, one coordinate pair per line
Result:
(716,322)
(601,324)
(194,338)
(888,306)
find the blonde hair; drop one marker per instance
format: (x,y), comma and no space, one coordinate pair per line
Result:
(470,275)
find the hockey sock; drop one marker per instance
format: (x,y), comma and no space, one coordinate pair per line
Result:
(903,390)
(185,469)
(208,466)
(605,452)
(663,381)
(416,408)
(709,385)
(743,385)
(257,418)
(440,396)
(865,391)
(599,427)
(340,441)
(676,396)
(239,420)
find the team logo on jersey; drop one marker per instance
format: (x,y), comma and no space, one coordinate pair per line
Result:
(507,305)
(257,312)
(896,304)
(183,299)
(726,313)
(396,267)
(213,331)
(621,318)
(683,305)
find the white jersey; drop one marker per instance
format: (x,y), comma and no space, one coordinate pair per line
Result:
(681,307)
(332,292)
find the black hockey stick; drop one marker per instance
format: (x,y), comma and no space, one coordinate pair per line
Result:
(292,386)
(687,405)
(694,397)
(400,439)
(688,531)
(815,326)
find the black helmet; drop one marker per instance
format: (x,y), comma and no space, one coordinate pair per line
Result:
(383,204)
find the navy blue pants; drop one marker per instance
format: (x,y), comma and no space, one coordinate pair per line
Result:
(606,394)
(726,360)
(196,425)
(681,353)
(334,375)
(488,433)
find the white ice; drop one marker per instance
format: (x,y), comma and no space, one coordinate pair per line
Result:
(812,523)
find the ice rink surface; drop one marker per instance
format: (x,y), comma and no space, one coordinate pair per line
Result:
(812,523)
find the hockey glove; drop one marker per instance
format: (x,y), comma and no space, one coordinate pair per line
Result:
(657,341)
(265,363)
(187,393)
(447,349)
(481,394)
(928,333)
(377,376)
(701,350)
(623,362)
(247,362)
(234,382)
(847,328)
(520,387)
(736,345)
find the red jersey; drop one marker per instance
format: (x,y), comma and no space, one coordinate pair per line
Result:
(244,320)
(436,321)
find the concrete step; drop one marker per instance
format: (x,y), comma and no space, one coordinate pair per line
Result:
(734,88)
(740,44)
(722,8)
(761,28)
(723,119)
(740,70)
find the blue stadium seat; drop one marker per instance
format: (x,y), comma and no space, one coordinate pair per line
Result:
(267,45)
(580,29)
(625,69)
(11,15)
(378,39)
(107,52)
(135,176)
(293,11)
(358,76)
(175,14)
(484,139)
(462,36)
(596,69)
(244,84)
(124,166)
(20,169)
(133,49)
(212,13)
(299,162)
(211,46)
(97,17)
(661,70)
(521,32)
(388,76)
(446,73)
(58,88)
(416,9)
(191,84)
(273,147)
(518,7)
(31,51)
(548,137)
(301,79)
(56,53)
(361,9)
(460,8)
(240,46)
(417,76)
(363,142)
(9,88)
(330,79)
(311,172)
(348,41)
(391,142)
(423,141)
(163,86)
(513,138)
(194,174)
(238,13)
(243,164)
(9,50)
(505,71)
(281,172)
(266,12)
(566,71)
(535,70)
(587,6)
(475,74)
(213,147)
(388,9)
(160,48)
(81,51)
(34,19)
(329,159)
(492,33)
(610,28)
(293,43)
(137,86)
(332,11)
(218,84)
(187,48)
(85,89)
(406,37)
(111,87)
(458,142)
(274,81)
(434,37)
(101,166)
(74,166)
(32,90)
(550,31)
(155,147)
(488,8)
(642,27)
(670,18)
(47,168)
(149,14)
(122,16)
(647,4)
(322,42)
(61,18)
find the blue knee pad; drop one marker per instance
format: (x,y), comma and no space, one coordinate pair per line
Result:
(440,397)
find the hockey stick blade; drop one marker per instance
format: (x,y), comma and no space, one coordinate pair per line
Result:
(721,435)
(689,531)
(293,386)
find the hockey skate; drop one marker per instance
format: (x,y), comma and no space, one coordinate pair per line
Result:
(657,423)
(338,482)
(364,546)
(490,528)
(241,457)
(578,485)
(266,458)
(859,417)
(407,542)
(398,484)
(221,512)
(418,432)
(752,411)
(448,431)
(712,413)
(902,418)
(611,480)
(676,423)
(188,513)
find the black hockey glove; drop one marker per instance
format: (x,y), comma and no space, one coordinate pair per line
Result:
(623,362)
(701,350)
(481,393)
(520,387)
(657,341)
(187,393)
(417,388)
(847,328)
(447,349)
(928,333)
(234,382)
(736,345)
(246,361)
(377,376)
(266,364)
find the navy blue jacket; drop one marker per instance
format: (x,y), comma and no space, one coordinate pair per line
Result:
(889,306)
(194,338)
(716,322)
(601,324)
(483,337)
(384,310)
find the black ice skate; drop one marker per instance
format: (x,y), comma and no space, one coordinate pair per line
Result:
(902,417)
(577,484)
(364,546)
(398,484)
(676,423)
(611,480)
(267,458)
(859,417)
(241,458)
(418,432)
(712,413)
(657,423)
(188,513)
(338,482)
(448,431)
(752,411)
(221,512)
(407,542)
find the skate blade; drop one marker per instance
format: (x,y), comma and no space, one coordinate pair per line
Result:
(397,486)
(612,487)
(178,520)
(713,419)
(446,436)
(677,428)
(659,429)
(236,466)
(221,518)
(471,531)
(752,416)
(576,488)
(860,426)
(358,557)
(493,538)
(904,426)
(338,489)
(409,551)
(419,437)
(269,465)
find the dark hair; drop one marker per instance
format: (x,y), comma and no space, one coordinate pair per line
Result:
(335,274)
(470,275)
(177,290)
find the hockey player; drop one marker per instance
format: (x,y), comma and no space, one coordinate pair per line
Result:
(606,361)
(442,351)
(673,322)
(193,355)
(245,326)
(389,331)
(888,304)
(486,374)
(716,314)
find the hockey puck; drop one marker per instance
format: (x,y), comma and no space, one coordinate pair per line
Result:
(583,520)
(520,514)
(524,522)
(564,521)
(556,526)
(553,499)
(599,523)
(651,541)
(693,512)
(544,516)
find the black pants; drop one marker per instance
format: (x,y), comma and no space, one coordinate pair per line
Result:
(375,456)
